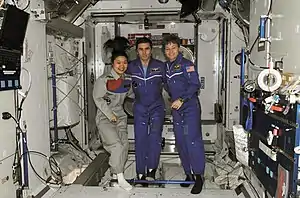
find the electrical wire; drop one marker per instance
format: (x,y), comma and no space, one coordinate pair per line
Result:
(268,13)
(235,34)
(238,12)
(55,169)
(248,52)
(71,139)
(24,95)
(71,68)
(251,185)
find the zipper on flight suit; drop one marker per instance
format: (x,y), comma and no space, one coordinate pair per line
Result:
(144,76)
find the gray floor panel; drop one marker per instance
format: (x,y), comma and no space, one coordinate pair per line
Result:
(77,191)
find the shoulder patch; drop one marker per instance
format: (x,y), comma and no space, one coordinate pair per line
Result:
(113,85)
(190,68)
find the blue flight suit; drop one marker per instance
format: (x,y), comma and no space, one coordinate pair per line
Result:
(149,112)
(183,82)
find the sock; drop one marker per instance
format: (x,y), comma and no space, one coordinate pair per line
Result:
(151,174)
(142,177)
(123,183)
(114,176)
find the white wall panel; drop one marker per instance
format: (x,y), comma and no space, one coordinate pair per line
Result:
(35,110)
(7,145)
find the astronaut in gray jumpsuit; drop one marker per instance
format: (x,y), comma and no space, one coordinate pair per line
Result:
(109,93)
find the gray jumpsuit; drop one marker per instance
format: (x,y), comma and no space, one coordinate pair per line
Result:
(109,94)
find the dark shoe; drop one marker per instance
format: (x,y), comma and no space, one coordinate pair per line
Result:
(151,174)
(188,178)
(143,178)
(197,188)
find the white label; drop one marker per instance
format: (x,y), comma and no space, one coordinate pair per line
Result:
(267,151)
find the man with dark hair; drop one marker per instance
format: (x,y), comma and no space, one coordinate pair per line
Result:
(183,86)
(149,109)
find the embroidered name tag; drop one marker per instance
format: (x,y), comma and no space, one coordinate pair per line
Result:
(155,69)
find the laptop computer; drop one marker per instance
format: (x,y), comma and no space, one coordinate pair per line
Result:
(12,35)
(13,29)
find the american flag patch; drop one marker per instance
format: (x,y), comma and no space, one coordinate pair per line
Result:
(190,68)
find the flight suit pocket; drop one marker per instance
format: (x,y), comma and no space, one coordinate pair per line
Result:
(109,97)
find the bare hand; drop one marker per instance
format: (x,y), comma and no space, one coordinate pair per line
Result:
(176,104)
(114,119)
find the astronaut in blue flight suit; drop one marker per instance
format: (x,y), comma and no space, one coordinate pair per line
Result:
(149,109)
(183,87)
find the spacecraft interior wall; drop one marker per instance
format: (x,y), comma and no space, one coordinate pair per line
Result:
(118,6)
(208,62)
(285,31)
(235,44)
(66,62)
(133,31)
(258,8)
(90,70)
(208,56)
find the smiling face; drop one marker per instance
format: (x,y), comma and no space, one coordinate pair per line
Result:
(144,51)
(172,51)
(120,64)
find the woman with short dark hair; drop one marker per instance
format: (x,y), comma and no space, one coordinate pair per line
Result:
(183,87)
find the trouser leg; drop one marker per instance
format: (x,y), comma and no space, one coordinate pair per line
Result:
(123,134)
(155,137)
(180,137)
(193,140)
(112,144)
(141,142)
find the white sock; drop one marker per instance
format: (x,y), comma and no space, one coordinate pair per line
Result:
(114,176)
(140,176)
(123,183)
(150,170)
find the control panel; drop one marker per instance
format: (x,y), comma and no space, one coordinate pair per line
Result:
(10,69)
(273,140)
